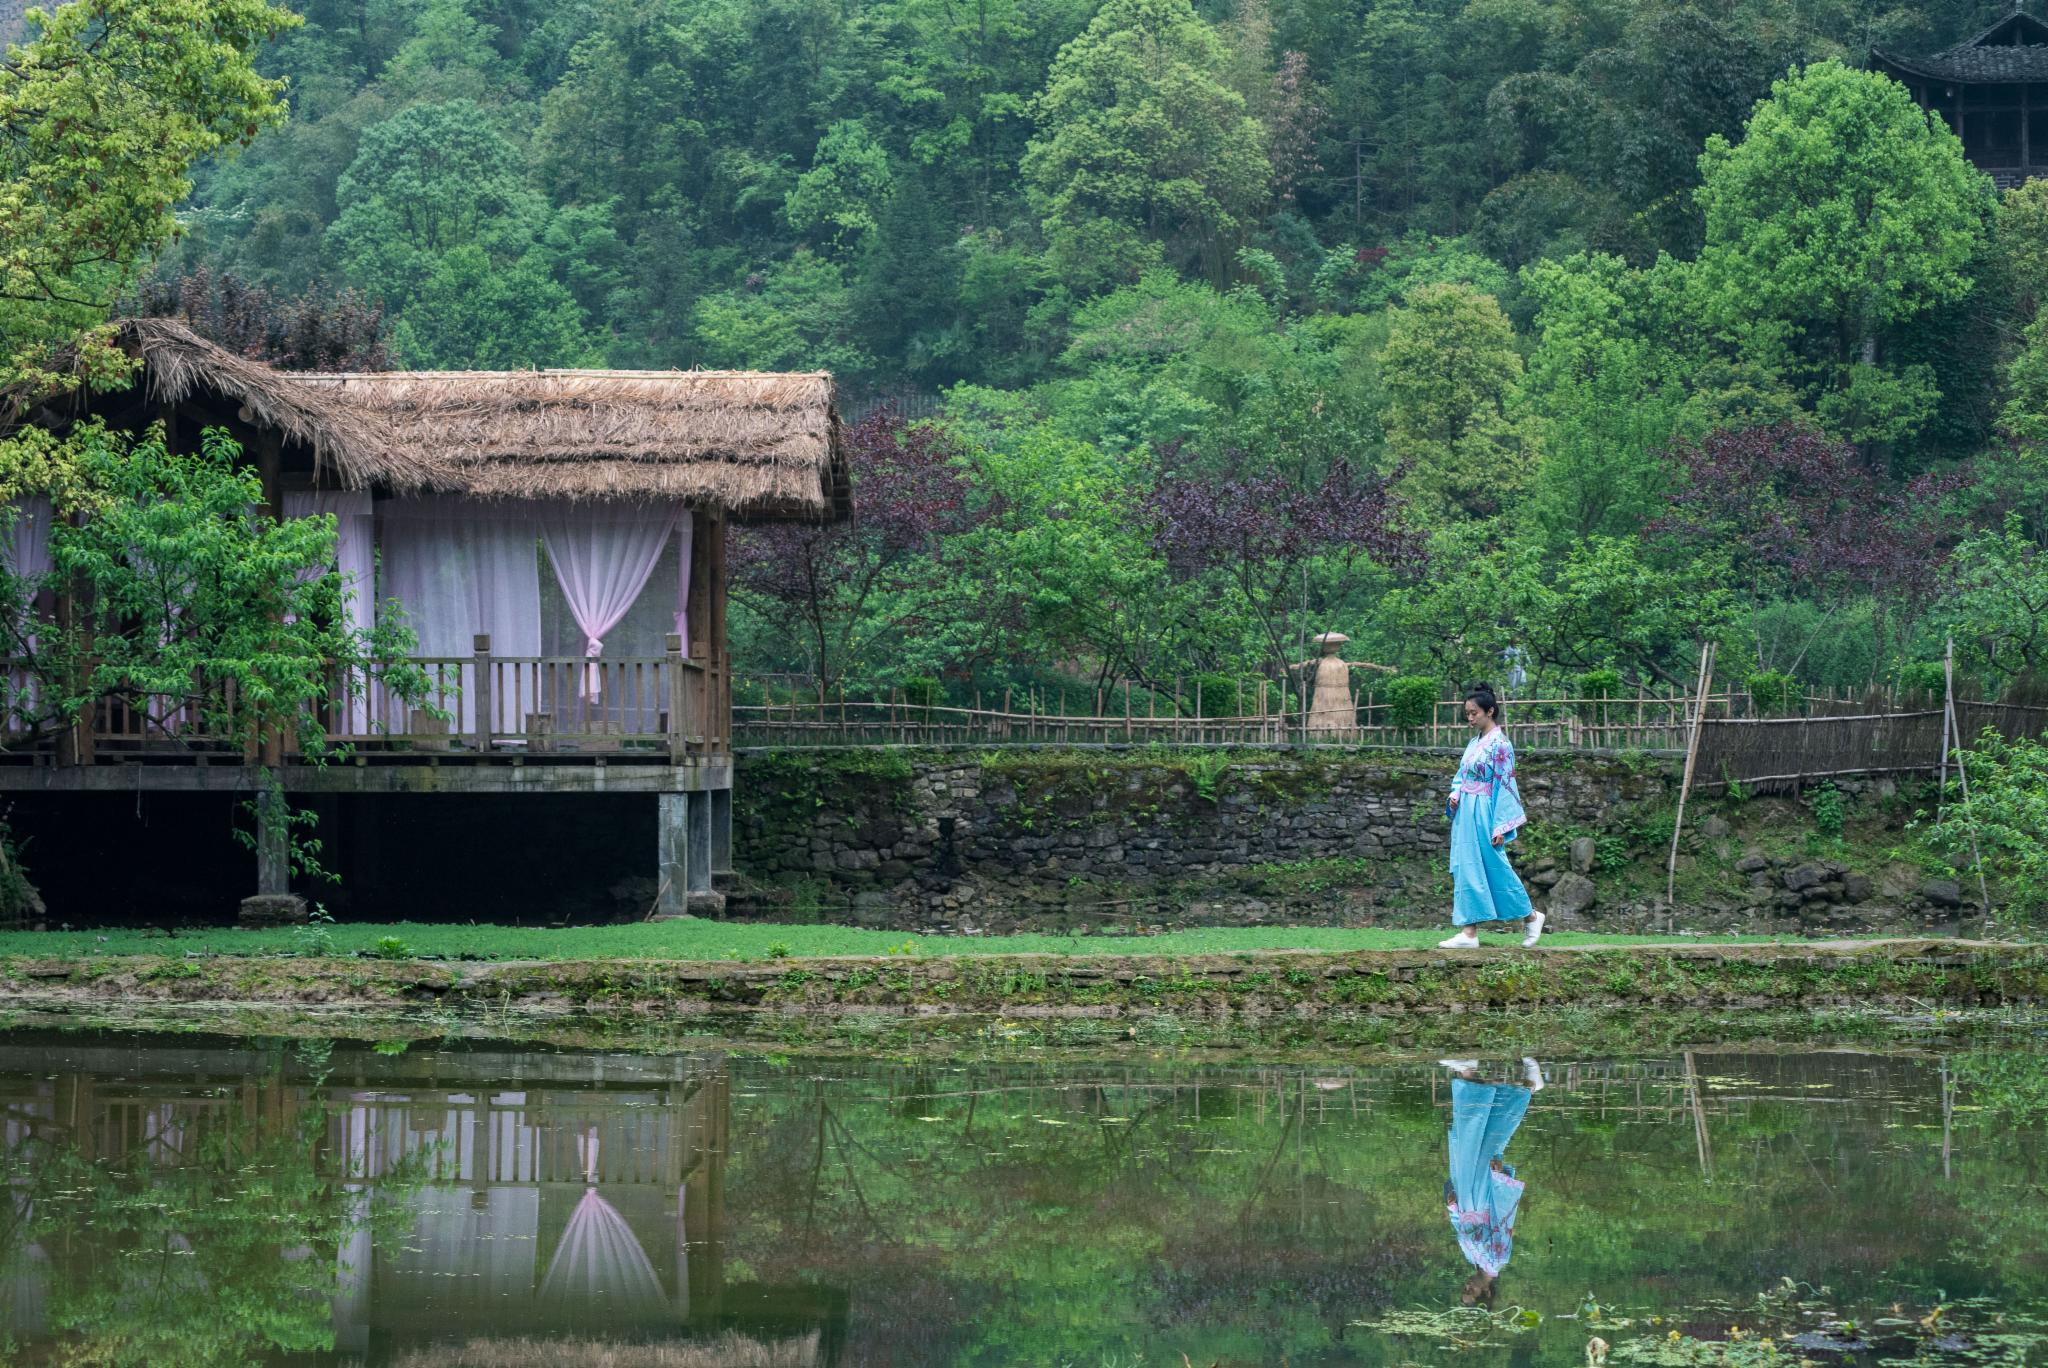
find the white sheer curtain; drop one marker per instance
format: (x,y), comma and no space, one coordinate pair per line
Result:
(603,554)
(355,555)
(686,533)
(462,566)
(25,545)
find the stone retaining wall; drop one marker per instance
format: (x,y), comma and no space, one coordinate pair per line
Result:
(1116,840)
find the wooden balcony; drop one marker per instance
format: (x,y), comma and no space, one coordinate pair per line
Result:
(482,710)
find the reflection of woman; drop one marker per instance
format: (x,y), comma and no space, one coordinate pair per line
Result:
(1485,812)
(1483,1194)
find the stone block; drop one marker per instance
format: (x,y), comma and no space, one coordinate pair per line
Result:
(1942,892)
(1856,888)
(1584,852)
(1801,877)
(1571,895)
(272,909)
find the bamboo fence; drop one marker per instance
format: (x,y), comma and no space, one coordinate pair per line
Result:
(1836,732)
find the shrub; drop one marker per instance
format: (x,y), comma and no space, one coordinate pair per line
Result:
(1772,693)
(1828,810)
(1925,677)
(2008,816)
(1595,685)
(923,691)
(393,948)
(1412,700)
(1219,695)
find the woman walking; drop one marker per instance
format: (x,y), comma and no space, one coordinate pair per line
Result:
(1485,813)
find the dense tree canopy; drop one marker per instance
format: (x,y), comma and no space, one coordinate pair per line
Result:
(1542,331)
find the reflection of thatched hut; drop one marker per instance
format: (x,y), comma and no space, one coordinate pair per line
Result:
(727,1351)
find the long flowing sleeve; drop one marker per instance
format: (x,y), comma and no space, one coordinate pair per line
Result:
(1507,813)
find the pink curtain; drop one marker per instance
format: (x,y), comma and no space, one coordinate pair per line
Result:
(355,555)
(603,556)
(462,566)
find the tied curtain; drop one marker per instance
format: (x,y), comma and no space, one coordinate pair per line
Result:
(603,556)
(355,556)
(459,567)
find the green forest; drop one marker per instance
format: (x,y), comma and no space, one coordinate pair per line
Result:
(1528,339)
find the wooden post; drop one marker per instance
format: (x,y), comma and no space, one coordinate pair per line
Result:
(1127,712)
(1692,751)
(1963,773)
(682,690)
(480,695)
(1199,733)
(718,705)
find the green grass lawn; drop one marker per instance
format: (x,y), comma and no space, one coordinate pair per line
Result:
(695,939)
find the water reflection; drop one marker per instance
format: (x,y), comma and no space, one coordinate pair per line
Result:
(192,1202)
(1483,1192)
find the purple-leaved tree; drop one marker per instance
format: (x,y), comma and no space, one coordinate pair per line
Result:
(1259,531)
(1803,514)
(844,591)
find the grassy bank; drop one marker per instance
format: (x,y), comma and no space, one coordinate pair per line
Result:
(1919,975)
(700,940)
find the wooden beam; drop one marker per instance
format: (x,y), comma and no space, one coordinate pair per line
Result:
(718,728)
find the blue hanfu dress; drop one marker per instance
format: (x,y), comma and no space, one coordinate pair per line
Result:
(1480,1199)
(1484,804)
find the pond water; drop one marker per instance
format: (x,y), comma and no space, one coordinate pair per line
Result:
(200,1200)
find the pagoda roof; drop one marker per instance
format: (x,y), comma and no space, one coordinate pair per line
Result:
(2013,50)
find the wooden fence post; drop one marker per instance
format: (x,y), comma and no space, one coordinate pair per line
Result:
(681,701)
(1692,750)
(480,723)
(1952,729)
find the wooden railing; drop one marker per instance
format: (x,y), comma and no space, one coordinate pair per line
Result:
(1651,723)
(479,704)
(1644,722)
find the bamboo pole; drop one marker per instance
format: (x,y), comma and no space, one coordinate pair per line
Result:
(1963,773)
(1692,752)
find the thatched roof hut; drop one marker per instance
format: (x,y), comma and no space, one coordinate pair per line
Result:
(761,446)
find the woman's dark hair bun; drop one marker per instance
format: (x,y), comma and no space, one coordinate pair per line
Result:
(1488,701)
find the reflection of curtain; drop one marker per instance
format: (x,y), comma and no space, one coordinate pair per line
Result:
(460,567)
(355,555)
(603,555)
(465,1255)
(599,1271)
(352,1255)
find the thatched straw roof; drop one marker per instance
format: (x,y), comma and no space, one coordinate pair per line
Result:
(762,445)
(179,365)
(759,445)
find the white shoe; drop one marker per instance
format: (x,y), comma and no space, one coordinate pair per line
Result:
(1460,1065)
(1535,930)
(1534,1073)
(1464,940)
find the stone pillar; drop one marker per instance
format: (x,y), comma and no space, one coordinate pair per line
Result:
(672,852)
(274,903)
(700,843)
(273,844)
(721,831)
